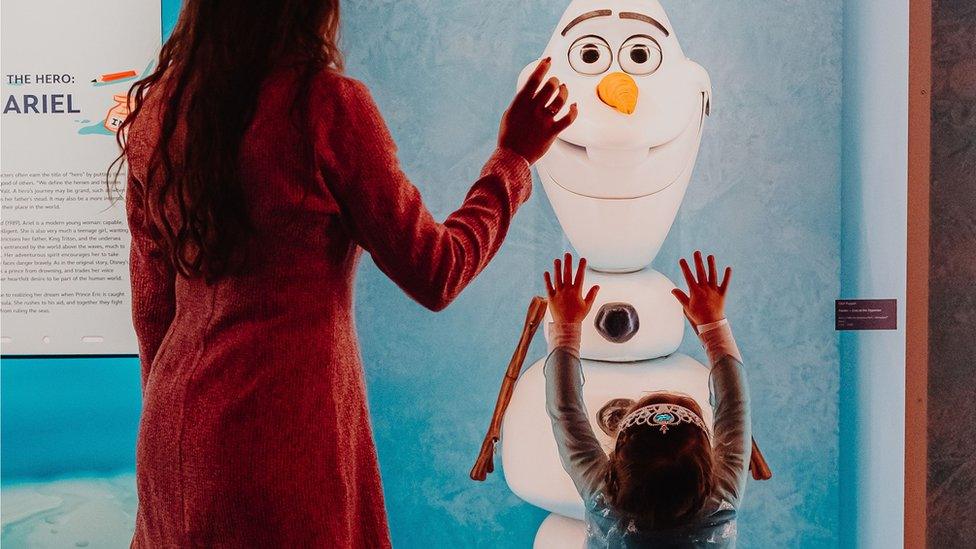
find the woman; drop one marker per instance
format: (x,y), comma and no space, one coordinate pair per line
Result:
(257,173)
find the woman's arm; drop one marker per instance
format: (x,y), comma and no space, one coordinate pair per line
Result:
(152,280)
(430,261)
(579,450)
(704,305)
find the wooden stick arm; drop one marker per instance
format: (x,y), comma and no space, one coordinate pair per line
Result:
(757,464)
(485,462)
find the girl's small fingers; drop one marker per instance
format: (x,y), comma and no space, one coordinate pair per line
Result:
(712,273)
(681,297)
(725,280)
(686,270)
(550,291)
(580,273)
(568,268)
(700,268)
(557,271)
(591,296)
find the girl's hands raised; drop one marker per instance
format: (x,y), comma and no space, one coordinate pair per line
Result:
(566,301)
(705,301)
(529,126)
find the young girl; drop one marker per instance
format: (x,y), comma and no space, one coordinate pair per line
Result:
(670,480)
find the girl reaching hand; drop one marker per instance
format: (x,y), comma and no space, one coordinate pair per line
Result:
(670,480)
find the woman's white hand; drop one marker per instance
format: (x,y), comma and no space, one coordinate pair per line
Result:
(529,126)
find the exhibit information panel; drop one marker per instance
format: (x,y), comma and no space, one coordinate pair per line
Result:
(67,67)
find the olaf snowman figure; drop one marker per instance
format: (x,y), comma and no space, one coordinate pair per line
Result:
(616,179)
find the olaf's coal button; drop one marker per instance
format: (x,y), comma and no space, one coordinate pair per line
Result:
(617,322)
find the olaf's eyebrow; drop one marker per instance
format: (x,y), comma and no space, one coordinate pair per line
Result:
(644,18)
(585,16)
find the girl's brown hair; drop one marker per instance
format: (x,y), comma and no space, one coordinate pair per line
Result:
(214,65)
(662,479)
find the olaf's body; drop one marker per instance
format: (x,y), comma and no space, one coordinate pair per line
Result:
(615,179)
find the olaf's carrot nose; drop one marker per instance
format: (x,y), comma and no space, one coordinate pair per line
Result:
(618,90)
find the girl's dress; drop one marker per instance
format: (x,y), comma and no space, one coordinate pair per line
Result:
(583,457)
(255,430)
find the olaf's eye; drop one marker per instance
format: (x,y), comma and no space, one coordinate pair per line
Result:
(590,55)
(640,55)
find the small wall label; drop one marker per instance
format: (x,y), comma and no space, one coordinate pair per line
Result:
(866,314)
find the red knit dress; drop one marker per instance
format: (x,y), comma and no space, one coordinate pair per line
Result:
(255,430)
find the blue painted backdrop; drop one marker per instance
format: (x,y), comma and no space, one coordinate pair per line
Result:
(765,198)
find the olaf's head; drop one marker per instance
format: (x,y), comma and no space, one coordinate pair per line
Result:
(641,101)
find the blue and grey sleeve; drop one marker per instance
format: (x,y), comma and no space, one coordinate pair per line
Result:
(579,450)
(732,426)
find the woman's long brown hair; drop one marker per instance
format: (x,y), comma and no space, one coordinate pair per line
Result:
(214,64)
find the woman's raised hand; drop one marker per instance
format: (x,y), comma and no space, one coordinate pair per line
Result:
(705,301)
(529,126)
(566,301)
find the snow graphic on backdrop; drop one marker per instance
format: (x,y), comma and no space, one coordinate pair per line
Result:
(64,513)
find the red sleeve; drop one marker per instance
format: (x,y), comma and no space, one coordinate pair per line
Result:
(152,280)
(430,261)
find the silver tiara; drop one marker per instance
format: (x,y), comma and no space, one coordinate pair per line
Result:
(662,415)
